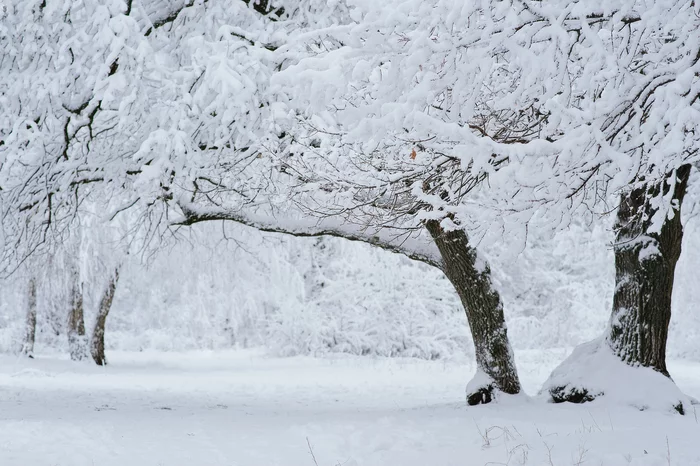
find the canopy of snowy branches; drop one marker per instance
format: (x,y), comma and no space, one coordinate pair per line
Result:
(360,118)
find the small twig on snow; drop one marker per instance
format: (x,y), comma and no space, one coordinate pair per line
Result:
(311,450)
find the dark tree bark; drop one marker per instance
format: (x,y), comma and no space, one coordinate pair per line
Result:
(77,343)
(97,344)
(645,263)
(30,329)
(484,309)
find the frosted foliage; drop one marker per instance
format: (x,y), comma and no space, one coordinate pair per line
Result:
(312,297)
(397,315)
(305,296)
(551,101)
(294,297)
(378,114)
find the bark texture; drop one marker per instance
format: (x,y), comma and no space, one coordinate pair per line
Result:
(484,310)
(77,342)
(97,344)
(30,329)
(645,264)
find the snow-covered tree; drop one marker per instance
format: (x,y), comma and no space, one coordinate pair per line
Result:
(97,342)
(67,105)
(395,121)
(419,127)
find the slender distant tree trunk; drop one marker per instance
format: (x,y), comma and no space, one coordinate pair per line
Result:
(30,329)
(77,343)
(645,263)
(97,344)
(484,309)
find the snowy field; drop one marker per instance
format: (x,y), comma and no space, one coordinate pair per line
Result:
(242,408)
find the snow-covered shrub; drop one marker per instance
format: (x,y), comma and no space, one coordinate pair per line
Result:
(363,301)
(310,296)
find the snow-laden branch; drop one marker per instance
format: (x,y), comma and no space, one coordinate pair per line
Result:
(387,112)
(261,6)
(170,17)
(407,243)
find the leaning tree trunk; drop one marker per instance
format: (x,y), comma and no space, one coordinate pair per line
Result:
(645,263)
(30,329)
(77,343)
(97,344)
(484,309)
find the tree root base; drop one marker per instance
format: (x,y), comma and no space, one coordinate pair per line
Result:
(569,394)
(482,395)
(679,408)
(579,395)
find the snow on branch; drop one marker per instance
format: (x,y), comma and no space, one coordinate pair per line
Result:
(172,16)
(402,242)
(261,6)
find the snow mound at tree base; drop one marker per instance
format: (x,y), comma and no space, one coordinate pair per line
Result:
(593,373)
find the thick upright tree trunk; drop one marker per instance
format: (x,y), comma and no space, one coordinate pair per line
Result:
(97,344)
(77,342)
(30,329)
(484,309)
(645,263)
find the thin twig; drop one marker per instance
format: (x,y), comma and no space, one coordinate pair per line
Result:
(311,450)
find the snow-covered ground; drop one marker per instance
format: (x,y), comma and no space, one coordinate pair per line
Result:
(242,408)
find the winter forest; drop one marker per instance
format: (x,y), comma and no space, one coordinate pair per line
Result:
(349,232)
